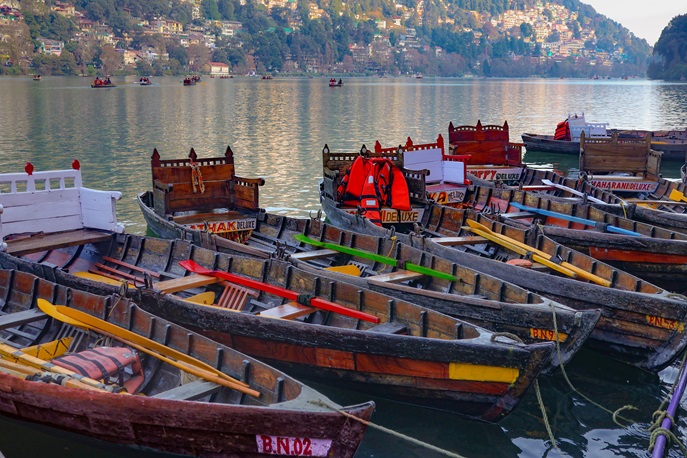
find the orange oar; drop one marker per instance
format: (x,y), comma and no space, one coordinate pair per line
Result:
(194,267)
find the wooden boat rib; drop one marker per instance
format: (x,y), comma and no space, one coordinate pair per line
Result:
(168,414)
(415,354)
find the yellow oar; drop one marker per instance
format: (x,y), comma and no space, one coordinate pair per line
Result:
(677,196)
(535,257)
(12,354)
(151,347)
(25,372)
(523,246)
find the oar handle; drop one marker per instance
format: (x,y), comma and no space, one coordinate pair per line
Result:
(193,266)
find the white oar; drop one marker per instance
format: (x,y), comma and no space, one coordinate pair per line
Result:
(573,191)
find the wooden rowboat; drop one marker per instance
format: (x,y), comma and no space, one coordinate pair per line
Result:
(167,409)
(641,324)
(369,341)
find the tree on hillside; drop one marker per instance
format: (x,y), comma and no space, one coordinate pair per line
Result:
(111,60)
(671,47)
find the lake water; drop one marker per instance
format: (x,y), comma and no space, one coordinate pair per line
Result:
(277,129)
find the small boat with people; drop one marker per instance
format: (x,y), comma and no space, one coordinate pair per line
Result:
(290,318)
(145,81)
(103,82)
(100,366)
(191,80)
(37,77)
(334,83)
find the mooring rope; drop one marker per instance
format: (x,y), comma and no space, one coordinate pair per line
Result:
(614,415)
(387,430)
(659,415)
(537,391)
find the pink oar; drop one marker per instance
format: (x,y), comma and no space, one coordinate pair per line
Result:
(194,267)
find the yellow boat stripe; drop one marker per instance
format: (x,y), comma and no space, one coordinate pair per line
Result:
(481,373)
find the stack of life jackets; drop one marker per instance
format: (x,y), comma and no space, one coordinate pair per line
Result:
(562,131)
(374,183)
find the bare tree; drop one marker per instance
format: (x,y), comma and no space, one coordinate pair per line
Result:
(111,60)
(198,55)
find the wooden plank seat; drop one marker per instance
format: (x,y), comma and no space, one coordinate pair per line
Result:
(390,328)
(288,311)
(190,391)
(465,240)
(234,296)
(313,254)
(12,320)
(183,283)
(43,242)
(397,276)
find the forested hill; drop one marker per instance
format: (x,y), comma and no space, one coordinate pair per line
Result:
(671,47)
(433,37)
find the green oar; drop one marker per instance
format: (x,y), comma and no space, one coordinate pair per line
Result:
(375,257)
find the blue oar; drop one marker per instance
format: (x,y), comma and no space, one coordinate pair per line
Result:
(574,219)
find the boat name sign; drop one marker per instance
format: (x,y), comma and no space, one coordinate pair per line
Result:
(624,185)
(390,215)
(448,197)
(225,226)
(496,174)
(292,446)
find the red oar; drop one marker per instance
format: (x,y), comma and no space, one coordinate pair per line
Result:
(194,267)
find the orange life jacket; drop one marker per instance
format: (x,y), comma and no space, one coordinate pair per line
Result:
(562,131)
(372,184)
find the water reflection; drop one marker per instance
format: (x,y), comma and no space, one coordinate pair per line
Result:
(277,129)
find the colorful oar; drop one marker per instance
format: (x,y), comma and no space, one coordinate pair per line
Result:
(535,257)
(169,355)
(659,445)
(194,267)
(677,196)
(574,219)
(27,373)
(580,272)
(375,257)
(573,191)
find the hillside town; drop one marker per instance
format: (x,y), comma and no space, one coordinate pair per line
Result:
(523,42)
